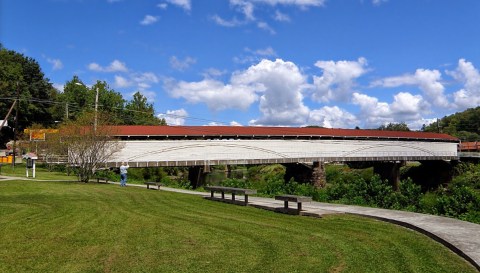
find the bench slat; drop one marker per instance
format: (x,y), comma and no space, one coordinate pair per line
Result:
(294,198)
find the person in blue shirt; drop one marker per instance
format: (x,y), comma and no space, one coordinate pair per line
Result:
(123,174)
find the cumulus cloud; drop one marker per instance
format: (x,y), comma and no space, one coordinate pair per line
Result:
(372,112)
(277,85)
(175,117)
(404,108)
(115,66)
(215,94)
(429,81)
(281,84)
(338,79)
(468,75)
(181,65)
(148,20)
(332,117)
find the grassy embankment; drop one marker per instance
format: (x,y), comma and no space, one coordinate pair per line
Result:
(76,227)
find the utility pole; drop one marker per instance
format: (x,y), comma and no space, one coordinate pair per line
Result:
(16,126)
(96,107)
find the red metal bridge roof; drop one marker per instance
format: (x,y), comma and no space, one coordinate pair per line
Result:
(271,132)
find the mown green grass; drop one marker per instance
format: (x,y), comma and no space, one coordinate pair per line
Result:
(76,227)
(40,173)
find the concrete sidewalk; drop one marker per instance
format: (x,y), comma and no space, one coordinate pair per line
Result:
(461,237)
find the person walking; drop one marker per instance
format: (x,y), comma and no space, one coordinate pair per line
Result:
(123,174)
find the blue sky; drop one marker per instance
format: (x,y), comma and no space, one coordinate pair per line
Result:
(332,63)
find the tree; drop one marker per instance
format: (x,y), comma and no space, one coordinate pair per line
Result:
(80,98)
(394,127)
(23,74)
(139,112)
(87,149)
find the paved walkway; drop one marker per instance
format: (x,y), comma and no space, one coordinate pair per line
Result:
(460,236)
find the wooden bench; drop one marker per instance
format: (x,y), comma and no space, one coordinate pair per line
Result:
(158,184)
(233,191)
(102,180)
(292,198)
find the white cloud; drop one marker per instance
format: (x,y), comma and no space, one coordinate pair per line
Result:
(372,112)
(181,65)
(281,84)
(122,82)
(175,117)
(268,51)
(115,66)
(407,107)
(245,7)
(234,123)
(148,20)
(300,3)
(184,4)
(338,79)
(265,26)
(429,81)
(281,17)
(162,5)
(215,94)
(227,23)
(213,73)
(332,117)
(404,108)
(57,64)
(255,56)
(468,75)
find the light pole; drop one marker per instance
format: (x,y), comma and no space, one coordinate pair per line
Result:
(96,106)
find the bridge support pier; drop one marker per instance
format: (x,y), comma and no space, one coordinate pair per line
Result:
(389,171)
(303,173)
(319,179)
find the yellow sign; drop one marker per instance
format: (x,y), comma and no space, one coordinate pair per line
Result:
(39,134)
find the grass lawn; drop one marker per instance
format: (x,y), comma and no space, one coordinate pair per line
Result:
(77,227)
(40,173)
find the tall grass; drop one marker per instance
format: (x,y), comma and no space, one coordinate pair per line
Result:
(76,227)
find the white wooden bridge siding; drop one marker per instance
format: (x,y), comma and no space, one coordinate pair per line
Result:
(216,152)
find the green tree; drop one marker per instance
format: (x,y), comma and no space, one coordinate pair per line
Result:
(464,125)
(140,112)
(394,127)
(79,98)
(23,74)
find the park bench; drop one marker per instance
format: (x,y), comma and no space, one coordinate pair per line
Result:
(292,198)
(102,180)
(158,184)
(233,191)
